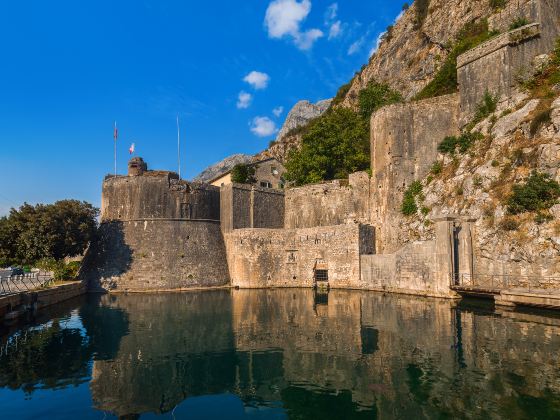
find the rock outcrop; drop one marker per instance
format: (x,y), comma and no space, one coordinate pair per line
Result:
(222,167)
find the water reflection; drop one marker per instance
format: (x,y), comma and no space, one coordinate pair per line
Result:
(345,355)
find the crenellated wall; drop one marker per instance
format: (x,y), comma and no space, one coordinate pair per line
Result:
(404,140)
(331,203)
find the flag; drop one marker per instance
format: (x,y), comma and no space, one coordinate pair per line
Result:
(132,147)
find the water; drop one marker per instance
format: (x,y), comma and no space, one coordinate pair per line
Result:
(280,354)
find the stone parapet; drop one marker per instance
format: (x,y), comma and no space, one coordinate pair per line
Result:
(510,38)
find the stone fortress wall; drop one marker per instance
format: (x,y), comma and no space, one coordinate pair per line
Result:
(498,65)
(159,232)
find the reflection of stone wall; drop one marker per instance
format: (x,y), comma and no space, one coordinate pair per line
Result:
(331,203)
(404,140)
(409,357)
(287,257)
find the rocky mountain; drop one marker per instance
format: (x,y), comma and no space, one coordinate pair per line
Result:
(413,50)
(222,167)
(301,114)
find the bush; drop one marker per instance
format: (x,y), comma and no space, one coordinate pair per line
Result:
(509,224)
(421,7)
(409,206)
(243,174)
(486,107)
(335,145)
(437,167)
(374,96)
(497,4)
(518,23)
(341,93)
(67,271)
(445,80)
(543,117)
(464,142)
(539,192)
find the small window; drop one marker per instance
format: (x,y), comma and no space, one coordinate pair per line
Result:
(266,184)
(321,275)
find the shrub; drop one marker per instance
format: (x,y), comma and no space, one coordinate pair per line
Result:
(464,142)
(409,206)
(497,4)
(445,80)
(542,217)
(509,223)
(542,118)
(437,167)
(374,96)
(421,7)
(67,271)
(486,107)
(243,174)
(539,192)
(495,163)
(341,93)
(518,23)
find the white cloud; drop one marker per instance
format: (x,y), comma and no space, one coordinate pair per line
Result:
(332,13)
(278,111)
(335,30)
(305,40)
(283,19)
(356,46)
(263,127)
(244,100)
(257,79)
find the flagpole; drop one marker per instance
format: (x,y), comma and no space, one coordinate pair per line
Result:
(115,137)
(178,146)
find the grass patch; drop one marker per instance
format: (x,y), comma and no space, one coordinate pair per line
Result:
(518,23)
(541,85)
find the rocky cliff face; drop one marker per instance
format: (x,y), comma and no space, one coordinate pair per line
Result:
(222,167)
(413,51)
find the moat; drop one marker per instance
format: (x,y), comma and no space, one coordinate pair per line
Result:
(288,353)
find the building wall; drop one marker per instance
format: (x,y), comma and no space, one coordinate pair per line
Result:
(328,204)
(270,171)
(404,140)
(287,257)
(224,180)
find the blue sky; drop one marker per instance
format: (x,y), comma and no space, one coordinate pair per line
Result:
(231,69)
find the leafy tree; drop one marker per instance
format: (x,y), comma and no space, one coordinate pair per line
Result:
(243,174)
(334,145)
(58,230)
(374,96)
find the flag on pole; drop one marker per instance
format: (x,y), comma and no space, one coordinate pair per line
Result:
(132,147)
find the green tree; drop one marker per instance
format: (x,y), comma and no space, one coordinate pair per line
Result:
(333,146)
(374,96)
(243,174)
(539,192)
(58,230)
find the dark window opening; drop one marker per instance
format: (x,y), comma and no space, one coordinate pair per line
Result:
(321,275)
(266,184)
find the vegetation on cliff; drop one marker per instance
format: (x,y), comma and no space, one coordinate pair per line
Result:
(538,192)
(445,80)
(59,230)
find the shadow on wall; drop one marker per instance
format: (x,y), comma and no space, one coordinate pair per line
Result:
(108,256)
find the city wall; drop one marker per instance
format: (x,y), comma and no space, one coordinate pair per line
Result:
(404,140)
(498,65)
(330,203)
(289,257)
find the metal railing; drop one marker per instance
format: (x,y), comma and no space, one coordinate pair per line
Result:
(23,283)
(510,281)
